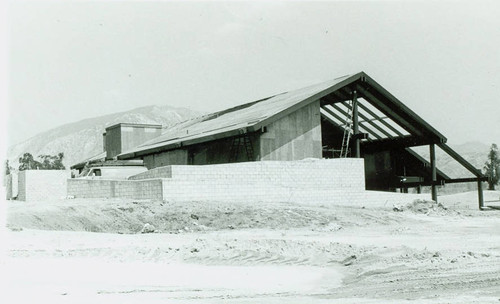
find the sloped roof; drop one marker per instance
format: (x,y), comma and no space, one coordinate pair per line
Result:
(99,157)
(253,116)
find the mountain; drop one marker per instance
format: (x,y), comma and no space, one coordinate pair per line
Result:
(474,152)
(83,139)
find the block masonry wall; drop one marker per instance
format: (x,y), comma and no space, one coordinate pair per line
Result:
(336,181)
(8,186)
(160,172)
(305,180)
(177,157)
(36,185)
(98,188)
(11,185)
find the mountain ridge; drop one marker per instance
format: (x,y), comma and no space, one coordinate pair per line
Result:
(83,139)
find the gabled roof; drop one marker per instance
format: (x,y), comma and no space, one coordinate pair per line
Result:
(251,117)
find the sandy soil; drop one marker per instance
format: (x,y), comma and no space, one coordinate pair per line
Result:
(90,251)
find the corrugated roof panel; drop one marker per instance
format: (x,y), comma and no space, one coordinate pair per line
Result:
(252,116)
(239,118)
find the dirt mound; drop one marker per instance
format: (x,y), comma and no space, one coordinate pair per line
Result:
(136,216)
(421,206)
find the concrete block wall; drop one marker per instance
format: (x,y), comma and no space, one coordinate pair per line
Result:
(160,172)
(335,181)
(305,180)
(98,188)
(8,186)
(11,185)
(36,185)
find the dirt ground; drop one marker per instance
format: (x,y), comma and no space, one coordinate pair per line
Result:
(93,251)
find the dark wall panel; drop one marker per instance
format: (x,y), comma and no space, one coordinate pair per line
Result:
(173,157)
(294,137)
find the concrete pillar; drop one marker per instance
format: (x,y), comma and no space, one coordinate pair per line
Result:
(480,194)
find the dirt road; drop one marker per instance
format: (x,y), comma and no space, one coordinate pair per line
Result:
(251,253)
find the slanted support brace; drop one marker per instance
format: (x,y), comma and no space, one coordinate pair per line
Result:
(469,167)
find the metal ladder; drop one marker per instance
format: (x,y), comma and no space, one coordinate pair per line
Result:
(235,147)
(347,132)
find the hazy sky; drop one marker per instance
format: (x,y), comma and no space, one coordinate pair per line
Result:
(70,60)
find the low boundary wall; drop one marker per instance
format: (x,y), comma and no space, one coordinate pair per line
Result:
(337,181)
(36,185)
(305,180)
(98,188)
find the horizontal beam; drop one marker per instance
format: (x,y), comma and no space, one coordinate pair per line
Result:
(395,143)
(442,182)
(417,184)
(466,180)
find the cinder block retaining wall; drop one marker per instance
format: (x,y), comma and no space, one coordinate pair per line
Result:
(8,186)
(339,181)
(160,172)
(303,181)
(36,185)
(140,189)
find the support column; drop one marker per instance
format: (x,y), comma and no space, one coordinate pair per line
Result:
(480,193)
(434,172)
(357,140)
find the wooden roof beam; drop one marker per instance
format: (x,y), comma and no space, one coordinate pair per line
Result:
(381,119)
(370,121)
(362,124)
(331,121)
(394,115)
(401,108)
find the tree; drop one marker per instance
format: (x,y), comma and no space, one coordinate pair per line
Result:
(52,162)
(492,167)
(47,162)
(27,162)
(8,168)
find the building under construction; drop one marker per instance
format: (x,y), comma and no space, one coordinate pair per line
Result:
(351,116)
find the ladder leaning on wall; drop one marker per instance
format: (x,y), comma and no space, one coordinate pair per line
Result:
(245,141)
(347,132)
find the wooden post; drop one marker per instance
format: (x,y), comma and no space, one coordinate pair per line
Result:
(480,193)
(355,120)
(434,172)
(419,189)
